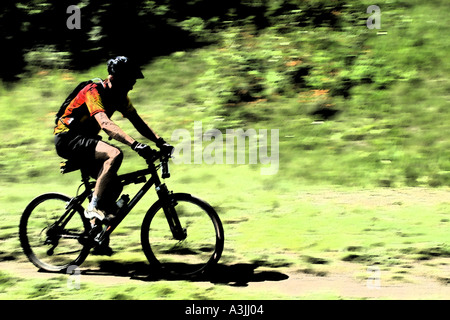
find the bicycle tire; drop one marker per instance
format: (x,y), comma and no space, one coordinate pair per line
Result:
(196,254)
(35,216)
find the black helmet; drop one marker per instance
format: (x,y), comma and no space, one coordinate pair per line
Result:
(123,67)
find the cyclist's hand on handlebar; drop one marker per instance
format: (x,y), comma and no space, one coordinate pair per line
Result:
(143,150)
(166,149)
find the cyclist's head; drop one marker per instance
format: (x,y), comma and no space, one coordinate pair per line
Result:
(124,71)
(123,67)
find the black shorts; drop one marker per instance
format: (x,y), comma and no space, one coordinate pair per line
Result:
(76,146)
(81,149)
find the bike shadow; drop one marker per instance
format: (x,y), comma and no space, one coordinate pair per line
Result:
(239,274)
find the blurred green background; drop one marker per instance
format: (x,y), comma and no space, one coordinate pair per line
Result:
(357,108)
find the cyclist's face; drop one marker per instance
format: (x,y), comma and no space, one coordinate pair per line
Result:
(123,84)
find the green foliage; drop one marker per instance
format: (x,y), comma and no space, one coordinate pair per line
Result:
(276,64)
(284,66)
(298,52)
(47,57)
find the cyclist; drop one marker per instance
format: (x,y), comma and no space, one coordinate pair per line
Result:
(76,132)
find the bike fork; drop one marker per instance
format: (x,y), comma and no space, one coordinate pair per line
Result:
(168,204)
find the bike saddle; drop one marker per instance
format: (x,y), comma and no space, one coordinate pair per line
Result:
(69,166)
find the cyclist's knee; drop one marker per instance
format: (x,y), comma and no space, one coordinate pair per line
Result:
(115,156)
(110,156)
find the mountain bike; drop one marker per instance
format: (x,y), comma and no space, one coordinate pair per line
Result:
(180,234)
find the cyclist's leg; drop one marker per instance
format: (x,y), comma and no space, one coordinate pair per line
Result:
(100,158)
(111,158)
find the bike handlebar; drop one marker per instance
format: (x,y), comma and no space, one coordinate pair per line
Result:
(158,155)
(164,159)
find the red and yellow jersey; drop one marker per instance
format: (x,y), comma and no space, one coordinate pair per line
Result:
(92,99)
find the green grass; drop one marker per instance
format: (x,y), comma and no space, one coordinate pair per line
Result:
(391,134)
(278,227)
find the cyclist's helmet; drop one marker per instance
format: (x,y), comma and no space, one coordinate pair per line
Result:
(123,67)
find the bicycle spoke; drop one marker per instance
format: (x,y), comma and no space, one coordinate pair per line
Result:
(202,244)
(67,252)
(48,245)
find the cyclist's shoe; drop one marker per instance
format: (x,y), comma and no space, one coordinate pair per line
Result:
(103,250)
(109,219)
(92,212)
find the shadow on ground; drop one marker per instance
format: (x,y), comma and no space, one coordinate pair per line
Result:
(234,275)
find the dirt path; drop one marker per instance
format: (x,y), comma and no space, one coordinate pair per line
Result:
(290,283)
(344,282)
(345,285)
(379,197)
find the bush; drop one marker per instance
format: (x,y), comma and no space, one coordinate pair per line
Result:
(305,49)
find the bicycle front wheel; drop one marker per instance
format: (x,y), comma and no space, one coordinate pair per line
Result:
(52,236)
(204,238)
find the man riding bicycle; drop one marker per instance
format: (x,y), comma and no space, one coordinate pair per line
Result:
(77,129)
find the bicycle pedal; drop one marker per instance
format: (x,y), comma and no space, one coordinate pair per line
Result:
(100,237)
(95,229)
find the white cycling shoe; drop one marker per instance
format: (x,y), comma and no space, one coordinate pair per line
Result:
(92,212)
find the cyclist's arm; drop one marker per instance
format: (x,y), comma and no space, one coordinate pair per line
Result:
(112,129)
(142,127)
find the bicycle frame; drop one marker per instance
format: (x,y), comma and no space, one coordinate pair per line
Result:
(135,177)
(125,179)
(191,242)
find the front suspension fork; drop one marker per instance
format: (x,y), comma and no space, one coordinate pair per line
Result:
(168,204)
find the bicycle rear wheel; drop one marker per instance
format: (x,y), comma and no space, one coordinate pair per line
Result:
(51,243)
(202,246)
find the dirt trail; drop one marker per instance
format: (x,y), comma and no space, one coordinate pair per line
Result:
(379,197)
(345,285)
(293,283)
